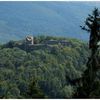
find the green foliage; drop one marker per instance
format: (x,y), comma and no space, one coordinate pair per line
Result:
(53,68)
(67,91)
(3,89)
(34,91)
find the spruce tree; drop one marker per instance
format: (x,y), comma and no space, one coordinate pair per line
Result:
(88,80)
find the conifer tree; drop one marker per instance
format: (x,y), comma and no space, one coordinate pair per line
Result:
(88,80)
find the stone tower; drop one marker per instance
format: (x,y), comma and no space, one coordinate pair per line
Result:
(30,40)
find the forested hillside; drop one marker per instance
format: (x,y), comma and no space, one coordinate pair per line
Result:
(42,72)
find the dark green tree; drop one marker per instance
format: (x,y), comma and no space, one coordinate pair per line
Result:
(35,91)
(88,81)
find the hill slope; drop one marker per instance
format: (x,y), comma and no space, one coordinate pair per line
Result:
(18,19)
(53,69)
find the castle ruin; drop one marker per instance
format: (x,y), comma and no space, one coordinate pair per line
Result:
(29,40)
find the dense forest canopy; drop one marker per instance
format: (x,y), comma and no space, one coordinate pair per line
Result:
(42,72)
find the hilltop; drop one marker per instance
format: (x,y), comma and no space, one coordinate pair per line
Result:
(41,72)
